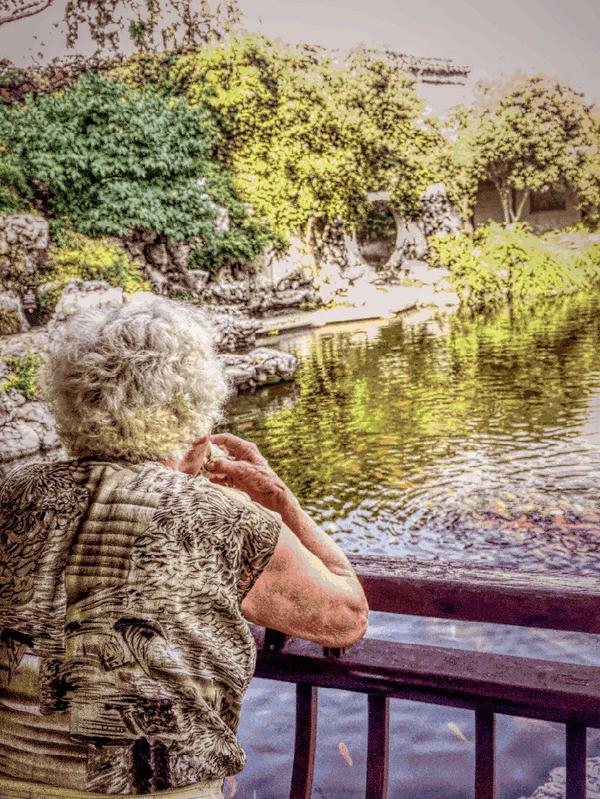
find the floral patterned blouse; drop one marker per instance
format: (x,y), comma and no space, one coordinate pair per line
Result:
(120,592)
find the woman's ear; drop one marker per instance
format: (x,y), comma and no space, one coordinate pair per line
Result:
(193,460)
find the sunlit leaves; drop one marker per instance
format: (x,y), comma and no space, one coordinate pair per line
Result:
(307,138)
(525,134)
(500,263)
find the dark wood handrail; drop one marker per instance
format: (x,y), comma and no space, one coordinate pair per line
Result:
(473,592)
(517,686)
(484,682)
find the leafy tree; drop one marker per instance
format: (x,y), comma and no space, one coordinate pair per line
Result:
(588,183)
(306,138)
(457,164)
(105,159)
(526,134)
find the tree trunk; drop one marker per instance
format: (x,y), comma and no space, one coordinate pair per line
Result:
(521,206)
(505,200)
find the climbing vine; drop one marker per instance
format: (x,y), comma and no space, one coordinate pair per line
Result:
(306,138)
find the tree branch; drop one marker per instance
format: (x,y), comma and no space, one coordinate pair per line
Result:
(521,206)
(25,10)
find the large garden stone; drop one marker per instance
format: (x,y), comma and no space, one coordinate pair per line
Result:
(85,295)
(23,247)
(12,318)
(17,440)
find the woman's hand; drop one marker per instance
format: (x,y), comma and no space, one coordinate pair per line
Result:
(193,461)
(247,470)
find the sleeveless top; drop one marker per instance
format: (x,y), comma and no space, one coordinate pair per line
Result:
(120,592)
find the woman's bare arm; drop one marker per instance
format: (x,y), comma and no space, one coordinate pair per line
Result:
(309,587)
(298,595)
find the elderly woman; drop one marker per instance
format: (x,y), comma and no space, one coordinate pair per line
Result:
(128,572)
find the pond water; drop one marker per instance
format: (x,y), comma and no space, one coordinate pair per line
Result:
(437,437)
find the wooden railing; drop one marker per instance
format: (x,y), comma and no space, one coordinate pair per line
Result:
(483,682)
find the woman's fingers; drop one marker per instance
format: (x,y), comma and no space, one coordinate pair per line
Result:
(232,469)
(238,447)
(193,460)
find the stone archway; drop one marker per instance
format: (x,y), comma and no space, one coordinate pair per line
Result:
(376,238)
(409,240)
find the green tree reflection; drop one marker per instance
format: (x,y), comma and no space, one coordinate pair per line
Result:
(372,414)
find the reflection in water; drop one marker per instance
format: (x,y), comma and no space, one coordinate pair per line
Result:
(461,439)
(451,438)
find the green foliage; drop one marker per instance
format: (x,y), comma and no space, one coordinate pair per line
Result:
(378,224)
(15,194)
(457,164)
(305,138)
(244,239)
(24,374)
(525,134)
(9,323)
(588,178)
(78,256)
(106,159)
(499,263)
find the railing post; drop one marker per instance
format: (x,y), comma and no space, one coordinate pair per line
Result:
(378,747)
(305,741)
(485,754)
(575,777)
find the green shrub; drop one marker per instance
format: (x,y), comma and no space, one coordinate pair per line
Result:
(512,263)
(24,374)
(106,158)
(9,323)
(78,256)
(15,194)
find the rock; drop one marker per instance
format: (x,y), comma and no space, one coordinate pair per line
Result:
(23,246)
(261,366)
(34,340)
(331,282)
(554,788)
(439,216)
(179,254)
(17,440)
(235,331)
(157,255)
(423,273)
(12,318)
(229,292)
(277,300)
(198,279)
(38,418)
(80,295)
(9,400)
(411,244)
(276,270)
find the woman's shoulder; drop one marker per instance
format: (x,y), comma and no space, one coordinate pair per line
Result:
(27,482)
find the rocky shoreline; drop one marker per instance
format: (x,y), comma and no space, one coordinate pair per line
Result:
(27,428)
(248,307)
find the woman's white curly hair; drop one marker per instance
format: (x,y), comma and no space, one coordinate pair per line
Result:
(138,382)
